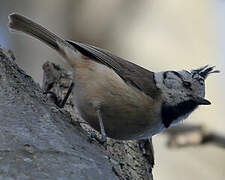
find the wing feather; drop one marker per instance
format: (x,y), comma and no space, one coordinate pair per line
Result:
(131,73)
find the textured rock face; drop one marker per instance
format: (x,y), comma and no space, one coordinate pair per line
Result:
(37,140)
(128,159)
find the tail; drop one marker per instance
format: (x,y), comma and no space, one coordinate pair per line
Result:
(20,23)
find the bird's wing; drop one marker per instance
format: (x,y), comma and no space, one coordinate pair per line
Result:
(131,73)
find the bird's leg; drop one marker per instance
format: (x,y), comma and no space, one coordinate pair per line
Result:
(58,102)
(63,102)
(104,137)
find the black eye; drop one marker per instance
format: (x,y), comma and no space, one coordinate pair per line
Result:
(187,84)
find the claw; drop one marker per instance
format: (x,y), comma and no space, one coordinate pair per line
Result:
(102,141)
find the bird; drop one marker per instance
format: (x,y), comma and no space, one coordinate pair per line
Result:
(118,98)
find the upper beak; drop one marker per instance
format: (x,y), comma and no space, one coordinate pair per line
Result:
(201,101)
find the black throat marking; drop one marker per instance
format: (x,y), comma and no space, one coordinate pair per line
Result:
(171,113)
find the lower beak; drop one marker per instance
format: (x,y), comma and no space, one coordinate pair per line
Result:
(201,101)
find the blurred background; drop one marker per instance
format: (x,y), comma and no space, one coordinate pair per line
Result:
(158,35)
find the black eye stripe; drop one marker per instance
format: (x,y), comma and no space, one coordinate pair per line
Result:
(186,84)
(177,74)
(174,72)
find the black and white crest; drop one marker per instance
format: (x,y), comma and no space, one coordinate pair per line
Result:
(202,73)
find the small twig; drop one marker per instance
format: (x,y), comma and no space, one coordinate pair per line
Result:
(192,135)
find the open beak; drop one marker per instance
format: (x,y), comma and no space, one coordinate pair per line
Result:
(201,101)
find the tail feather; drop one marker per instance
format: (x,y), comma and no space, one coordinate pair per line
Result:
(21,23)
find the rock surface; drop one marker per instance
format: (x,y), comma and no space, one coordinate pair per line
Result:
(37,140)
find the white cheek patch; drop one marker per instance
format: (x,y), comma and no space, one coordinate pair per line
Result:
(172,88)
(171,83)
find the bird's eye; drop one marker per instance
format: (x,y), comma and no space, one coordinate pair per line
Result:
(187,84)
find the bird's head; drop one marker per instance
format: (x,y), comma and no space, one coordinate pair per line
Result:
(182,91)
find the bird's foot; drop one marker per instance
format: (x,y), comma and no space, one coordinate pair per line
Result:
(102,141)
